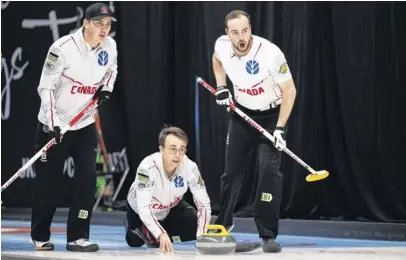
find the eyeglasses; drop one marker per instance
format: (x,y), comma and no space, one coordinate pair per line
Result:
(174,150)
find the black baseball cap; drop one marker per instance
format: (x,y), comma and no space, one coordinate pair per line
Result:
(98,11)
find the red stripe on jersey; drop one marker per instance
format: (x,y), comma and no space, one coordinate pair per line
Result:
(52,112)
(205,219)
(256,84)
(156,222)
(257,50)
(76,45)
(200,207)
(72,79)
(157,200)
(108,81)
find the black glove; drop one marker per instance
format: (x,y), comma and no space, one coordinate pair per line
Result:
(56,132)
(223,96)
(102,95)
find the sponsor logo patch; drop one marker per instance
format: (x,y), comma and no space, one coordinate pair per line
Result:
(267,197)
(83,214)
(283,68)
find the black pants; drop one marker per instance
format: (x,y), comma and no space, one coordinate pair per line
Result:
(244,143)
(181,222)
(81,145)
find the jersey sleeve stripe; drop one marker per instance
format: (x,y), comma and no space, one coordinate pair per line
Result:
(74,81)
(156,222)
(200,207)
(52,112)
(108,81)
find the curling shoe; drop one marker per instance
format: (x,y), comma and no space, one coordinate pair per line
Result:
(42,246)
(270,246)
(82,245)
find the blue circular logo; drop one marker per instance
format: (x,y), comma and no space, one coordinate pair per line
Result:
(252,67)
(103,58)
(179,182)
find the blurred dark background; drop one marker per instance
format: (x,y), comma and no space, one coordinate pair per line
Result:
(348,61)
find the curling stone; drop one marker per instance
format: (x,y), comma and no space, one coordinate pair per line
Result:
(211,243)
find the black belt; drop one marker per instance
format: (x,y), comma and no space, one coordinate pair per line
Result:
(257,111)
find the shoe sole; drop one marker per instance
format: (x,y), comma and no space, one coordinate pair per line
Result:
(247,247)
(44,249)
(272,251)
(90,248)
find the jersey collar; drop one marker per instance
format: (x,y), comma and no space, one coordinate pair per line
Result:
(159,161)
(85,46)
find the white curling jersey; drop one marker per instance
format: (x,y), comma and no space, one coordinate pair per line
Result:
(71,74)
(153,194)
(255,76)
